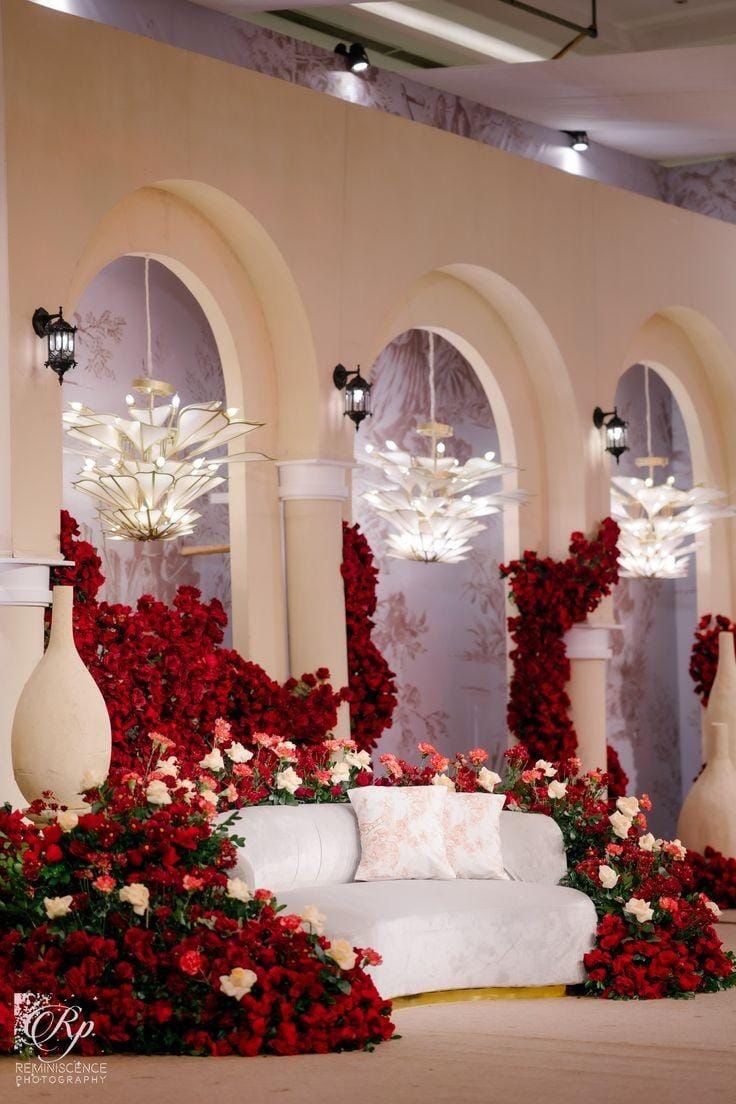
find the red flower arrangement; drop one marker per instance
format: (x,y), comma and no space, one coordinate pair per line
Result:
(715,875)
(163,668)
(127,912)
(655,935)
(371,681)
(704,654)
(551,596)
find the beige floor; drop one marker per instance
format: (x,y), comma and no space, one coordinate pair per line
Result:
(508,1051)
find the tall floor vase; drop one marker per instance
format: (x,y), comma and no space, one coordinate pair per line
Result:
(721,708)
(61,729)
(708,817)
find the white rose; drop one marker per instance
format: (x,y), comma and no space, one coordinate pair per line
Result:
(340,773)
(67,820)
(168,766)
(157,793)
(314,920)
(136,895)
(629,806)
(238,889)
(647,842)
(608,877)
(57,906)
(557,789)
(640,909)
(359,759)
(91,779)
(488,779)
(238,753)
(547,768)
(209,796)
(238,982)
(620,824)
(288,780)
(213,761)
(342,953)
(443,780)
(713,908)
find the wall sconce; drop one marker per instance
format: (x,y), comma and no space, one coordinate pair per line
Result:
(354,56)
(357,393)
(61,340)
(616,431)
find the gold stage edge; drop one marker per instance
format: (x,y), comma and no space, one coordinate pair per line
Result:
(493,992)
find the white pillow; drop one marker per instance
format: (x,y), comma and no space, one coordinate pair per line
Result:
(473,835)
(401,832)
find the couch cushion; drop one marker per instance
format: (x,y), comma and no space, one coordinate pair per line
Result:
(459,934)
(287,846)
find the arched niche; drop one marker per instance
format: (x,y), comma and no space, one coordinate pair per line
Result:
(111,353)
(696,364)
(653,715)
(501,334)
(238,276)
(692,375)
(441,626)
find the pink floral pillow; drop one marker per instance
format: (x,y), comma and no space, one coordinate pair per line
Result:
(401,832)
(473,835)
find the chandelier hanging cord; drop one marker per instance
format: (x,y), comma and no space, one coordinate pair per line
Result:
(648,401)
(148,372)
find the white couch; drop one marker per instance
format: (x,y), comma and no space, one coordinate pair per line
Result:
(433,935)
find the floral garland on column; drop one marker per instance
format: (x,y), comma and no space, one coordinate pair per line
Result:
(551,596)
(371,681)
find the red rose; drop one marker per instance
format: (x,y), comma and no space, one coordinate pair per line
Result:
(191,962)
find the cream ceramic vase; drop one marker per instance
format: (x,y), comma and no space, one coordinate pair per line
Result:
(721,707)
(61,728)
(708,816)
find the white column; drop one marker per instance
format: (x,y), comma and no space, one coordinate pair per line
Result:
(313,493)
(24,594)
(588,649)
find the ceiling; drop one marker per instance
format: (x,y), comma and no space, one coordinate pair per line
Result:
(626,87)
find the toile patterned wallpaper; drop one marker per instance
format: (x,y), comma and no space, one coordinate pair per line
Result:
(111,342)
(708,188)
(441,626)
(653,714)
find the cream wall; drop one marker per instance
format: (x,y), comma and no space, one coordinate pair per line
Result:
(313,231)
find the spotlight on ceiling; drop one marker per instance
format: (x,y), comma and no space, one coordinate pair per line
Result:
(578,140)
(355,57)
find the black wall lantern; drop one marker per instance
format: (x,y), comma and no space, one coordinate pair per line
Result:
(357,393)
(61,339)
(616,431)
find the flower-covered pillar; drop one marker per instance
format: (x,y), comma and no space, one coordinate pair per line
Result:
(313,494)
(588,649)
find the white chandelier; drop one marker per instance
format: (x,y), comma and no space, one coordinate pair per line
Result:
(426,499)
(658,521)
(144,470)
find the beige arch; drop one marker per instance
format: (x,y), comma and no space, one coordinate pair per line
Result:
(207,241)
(696,363)
(521,370)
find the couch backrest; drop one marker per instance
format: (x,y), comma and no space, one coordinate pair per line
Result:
(287,846)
